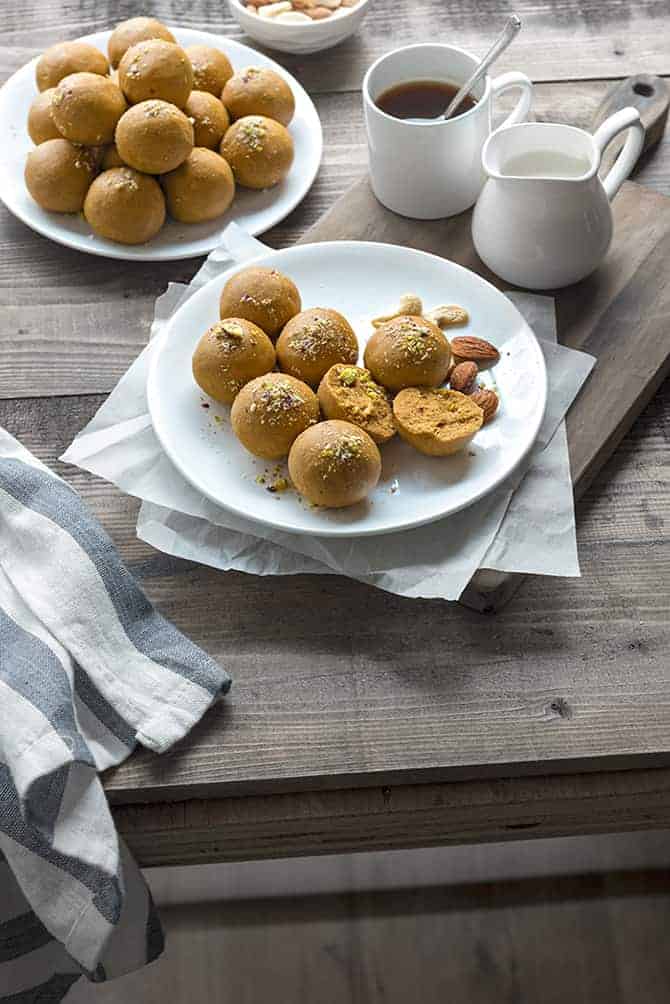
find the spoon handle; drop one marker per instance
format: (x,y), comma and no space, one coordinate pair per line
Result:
(512,26)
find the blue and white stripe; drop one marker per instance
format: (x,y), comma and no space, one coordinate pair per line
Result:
(88,670)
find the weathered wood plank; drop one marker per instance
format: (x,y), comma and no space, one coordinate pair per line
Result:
(651,96)
(572,672)
(429,941)
(46,431)
(104,310)
(561,39)
(560,859)
(307,823)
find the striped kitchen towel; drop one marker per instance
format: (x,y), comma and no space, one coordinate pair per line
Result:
(88,670)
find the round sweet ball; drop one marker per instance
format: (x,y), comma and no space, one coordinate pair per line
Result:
(111,158)
(154,137)
(66,58)
(200,189)
(58,175)
(270,412)
(437,422)
(156,69)
(259,91)
(350,394)
(86,107)
(313,341)
(408,352)
(132,31)
(125,206)
(41,125)
(211,68)
(262,295)
(334,464)
(209,117)
(259,150)
(229,355)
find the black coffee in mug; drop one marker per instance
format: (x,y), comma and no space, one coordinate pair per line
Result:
(422,99)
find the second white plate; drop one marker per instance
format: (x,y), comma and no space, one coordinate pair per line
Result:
(255,211)
(361,280)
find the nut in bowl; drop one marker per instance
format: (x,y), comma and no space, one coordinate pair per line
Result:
(299,26)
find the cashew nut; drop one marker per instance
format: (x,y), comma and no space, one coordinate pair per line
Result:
(410,305)
(447,315)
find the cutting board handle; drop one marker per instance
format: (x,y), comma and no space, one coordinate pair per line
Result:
(650,95)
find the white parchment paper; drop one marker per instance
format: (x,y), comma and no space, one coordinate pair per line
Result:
(526,525)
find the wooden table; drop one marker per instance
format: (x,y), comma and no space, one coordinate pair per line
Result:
(358,719)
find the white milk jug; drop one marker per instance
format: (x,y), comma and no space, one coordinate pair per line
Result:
(543,219)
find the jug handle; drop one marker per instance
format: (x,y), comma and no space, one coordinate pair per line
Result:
(504,83)
(627,118)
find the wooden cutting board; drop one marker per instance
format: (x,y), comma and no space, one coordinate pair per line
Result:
(620,314)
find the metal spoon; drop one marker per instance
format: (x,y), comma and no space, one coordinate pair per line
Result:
(511,28)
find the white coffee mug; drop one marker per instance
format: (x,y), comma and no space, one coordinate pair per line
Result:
(431,169)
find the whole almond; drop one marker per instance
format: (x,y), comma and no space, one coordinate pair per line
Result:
(463,377)
(487,401)
(303,4)
(474,349)
(318,13)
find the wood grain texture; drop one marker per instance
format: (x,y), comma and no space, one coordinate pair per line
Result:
(585,940)
(579,938)
(651,96)
(72,324)
(561,39)
(398,869)
(572,672)
(301,823)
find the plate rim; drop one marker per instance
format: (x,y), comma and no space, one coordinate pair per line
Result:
(335,531)
(75,242)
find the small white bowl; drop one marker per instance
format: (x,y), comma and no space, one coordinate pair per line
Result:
(299,39)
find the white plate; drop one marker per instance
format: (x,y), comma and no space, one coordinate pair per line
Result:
(255,211)
(362,280)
